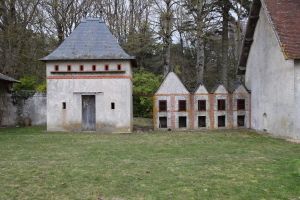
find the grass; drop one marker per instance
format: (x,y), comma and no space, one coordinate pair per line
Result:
(207,165)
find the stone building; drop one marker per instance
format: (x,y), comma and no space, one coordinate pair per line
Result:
(270,61)
(176,108)
(7,111)
(89,82)
(172,104)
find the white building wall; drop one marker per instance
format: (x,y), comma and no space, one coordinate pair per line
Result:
(107,90)
(271,80)
(296,134)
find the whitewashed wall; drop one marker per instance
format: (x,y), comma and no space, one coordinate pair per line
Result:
(296,133)
(106,90)
(271,80)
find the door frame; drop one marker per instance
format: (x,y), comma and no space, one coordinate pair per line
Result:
(94,113)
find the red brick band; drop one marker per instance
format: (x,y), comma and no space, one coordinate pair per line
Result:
(89,77)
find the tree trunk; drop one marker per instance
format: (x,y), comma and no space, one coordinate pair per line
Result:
(225,42)
(131,17)
(199,44)
(167,57)
(200,59)
(168,37)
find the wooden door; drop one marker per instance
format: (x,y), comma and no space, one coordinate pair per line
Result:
(88,113)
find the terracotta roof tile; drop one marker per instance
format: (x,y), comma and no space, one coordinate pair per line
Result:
(285,16)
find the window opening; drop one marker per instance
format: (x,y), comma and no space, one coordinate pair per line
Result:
(182,122)
(163,122)
(241,120)
(221,104)
(162,106)
(182,105)
(201,121)
(221,121)
(64,105)
(241,104)
(201,105)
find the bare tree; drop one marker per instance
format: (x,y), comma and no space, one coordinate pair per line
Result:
(197,12)
(165,10)
(65,15)
(17,17)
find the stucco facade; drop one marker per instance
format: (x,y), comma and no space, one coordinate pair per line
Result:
(297,101)
(89,82)
(273,82)
(113,87)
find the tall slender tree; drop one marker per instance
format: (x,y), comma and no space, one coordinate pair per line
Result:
(166,29)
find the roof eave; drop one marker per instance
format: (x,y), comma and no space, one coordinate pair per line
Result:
(82,59)
(248,38)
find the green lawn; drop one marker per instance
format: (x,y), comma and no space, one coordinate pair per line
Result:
(207,165)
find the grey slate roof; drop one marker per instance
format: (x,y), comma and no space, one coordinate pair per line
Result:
(91,40)
(7,78)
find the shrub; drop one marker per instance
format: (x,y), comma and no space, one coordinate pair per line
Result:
(41,87)
(145,85)
(26,83)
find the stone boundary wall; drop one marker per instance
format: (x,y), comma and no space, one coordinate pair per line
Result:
(33,111)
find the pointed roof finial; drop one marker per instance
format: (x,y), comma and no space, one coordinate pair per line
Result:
(101,15)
